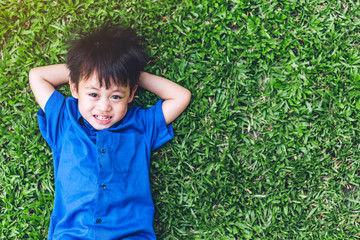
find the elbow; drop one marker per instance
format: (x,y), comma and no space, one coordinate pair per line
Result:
(34,77)
(183,99)
(187,96)
(32,74)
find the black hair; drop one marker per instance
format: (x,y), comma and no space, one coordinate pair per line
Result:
(113,53)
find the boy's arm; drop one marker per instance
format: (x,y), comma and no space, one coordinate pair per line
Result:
(176,98)
(43,81)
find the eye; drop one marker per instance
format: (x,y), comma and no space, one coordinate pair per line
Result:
(116,97)
(94,95)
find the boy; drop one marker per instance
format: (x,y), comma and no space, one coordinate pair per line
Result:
(101,149)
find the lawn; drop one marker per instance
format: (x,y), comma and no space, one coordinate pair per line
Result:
(269,145)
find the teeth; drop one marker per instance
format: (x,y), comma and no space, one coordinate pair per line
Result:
(102,118)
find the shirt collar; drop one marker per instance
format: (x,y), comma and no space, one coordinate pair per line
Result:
(79,118)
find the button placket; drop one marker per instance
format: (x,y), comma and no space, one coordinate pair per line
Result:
(103,154)
(103,151)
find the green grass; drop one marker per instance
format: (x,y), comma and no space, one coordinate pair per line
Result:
(269,146)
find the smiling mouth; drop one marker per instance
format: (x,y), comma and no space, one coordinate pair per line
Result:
(102,118)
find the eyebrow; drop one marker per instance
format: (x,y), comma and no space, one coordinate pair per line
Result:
(96,88)
(92,88)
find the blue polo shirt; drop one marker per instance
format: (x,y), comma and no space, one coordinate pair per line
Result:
(102,187)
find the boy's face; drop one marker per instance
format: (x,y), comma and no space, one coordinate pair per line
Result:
(101,107)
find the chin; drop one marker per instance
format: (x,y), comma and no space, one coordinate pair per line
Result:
(102,127)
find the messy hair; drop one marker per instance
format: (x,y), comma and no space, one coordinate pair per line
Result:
(113,53)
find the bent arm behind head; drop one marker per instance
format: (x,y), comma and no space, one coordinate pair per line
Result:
(43,81)
(176,98)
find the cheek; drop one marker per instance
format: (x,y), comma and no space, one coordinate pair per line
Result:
(121,109)
(85,106)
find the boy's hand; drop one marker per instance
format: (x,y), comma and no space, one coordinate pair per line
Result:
(176,98)
(43,81)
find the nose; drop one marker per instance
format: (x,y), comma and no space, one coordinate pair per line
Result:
(104,105)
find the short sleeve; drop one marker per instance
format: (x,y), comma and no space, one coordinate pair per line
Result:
(50,120)
(156,129)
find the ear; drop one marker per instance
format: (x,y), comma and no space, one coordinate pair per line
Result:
(132,94)
(73,89)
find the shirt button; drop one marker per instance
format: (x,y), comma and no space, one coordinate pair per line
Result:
(103,186)
(103,150)
(98,220)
